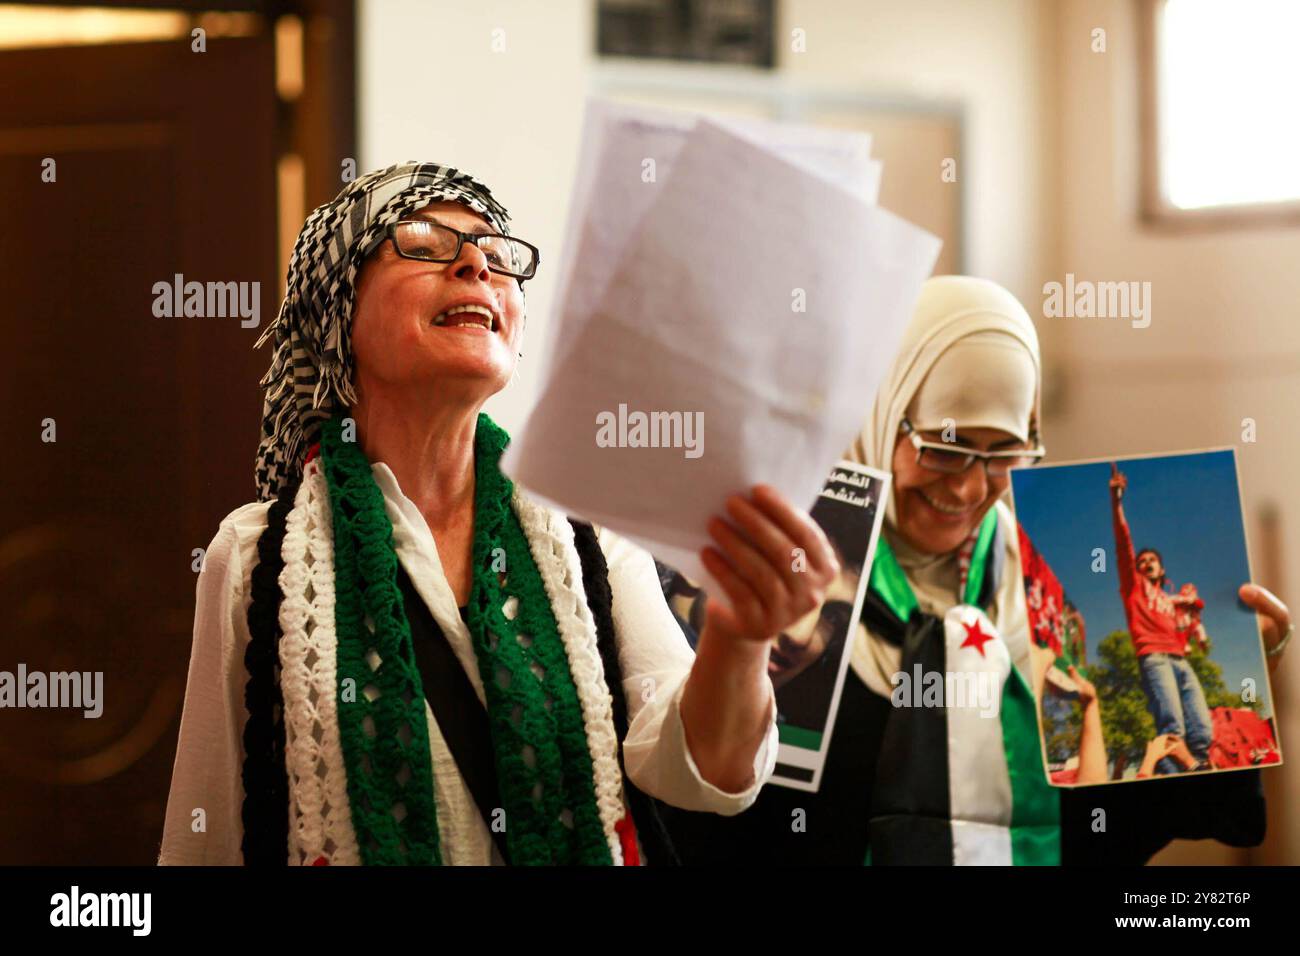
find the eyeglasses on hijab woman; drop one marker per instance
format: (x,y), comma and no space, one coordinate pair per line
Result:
(395,650)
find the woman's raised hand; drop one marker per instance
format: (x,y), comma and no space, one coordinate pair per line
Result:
(773,562)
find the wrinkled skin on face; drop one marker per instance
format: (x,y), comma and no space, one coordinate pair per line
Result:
(395,341)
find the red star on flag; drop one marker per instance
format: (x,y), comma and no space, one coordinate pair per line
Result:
(975,637)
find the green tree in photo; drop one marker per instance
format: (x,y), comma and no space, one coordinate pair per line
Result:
(1126,723)
(1063,723)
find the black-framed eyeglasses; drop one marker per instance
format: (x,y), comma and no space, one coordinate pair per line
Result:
(951,459)
(430,241)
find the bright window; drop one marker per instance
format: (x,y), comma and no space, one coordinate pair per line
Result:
(1227,103)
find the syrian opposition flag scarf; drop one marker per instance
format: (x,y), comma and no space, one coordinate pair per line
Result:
(338,768)
(958,781)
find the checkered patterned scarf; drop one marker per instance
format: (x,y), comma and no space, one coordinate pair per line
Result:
(310,378)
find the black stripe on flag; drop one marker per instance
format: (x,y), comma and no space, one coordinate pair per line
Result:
(910,820)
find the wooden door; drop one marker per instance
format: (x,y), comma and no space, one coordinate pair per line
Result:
(164,164)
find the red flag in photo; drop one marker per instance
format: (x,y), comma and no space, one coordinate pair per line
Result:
(1242,739)
(1044,597)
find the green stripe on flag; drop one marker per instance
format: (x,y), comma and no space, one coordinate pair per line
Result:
(799,737)
(889,581)
(1035,804)
(980,558)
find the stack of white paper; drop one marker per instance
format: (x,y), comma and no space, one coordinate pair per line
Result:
(722,325)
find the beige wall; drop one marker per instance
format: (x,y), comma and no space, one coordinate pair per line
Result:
(991,56)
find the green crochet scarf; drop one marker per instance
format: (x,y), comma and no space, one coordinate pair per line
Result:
(543,764)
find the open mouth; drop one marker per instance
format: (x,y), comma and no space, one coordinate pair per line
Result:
(471,315)
(947,510)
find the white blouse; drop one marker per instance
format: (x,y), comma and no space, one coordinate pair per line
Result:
(654,655)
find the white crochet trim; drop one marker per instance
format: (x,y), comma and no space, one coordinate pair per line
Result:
(320,822)
(550,538)
(320,817)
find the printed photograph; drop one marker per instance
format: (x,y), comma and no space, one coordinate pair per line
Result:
(1150,663)
(809,658)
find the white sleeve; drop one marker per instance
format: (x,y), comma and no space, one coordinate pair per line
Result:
(203,823)
(656,660)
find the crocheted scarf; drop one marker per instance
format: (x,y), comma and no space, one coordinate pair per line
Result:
(338,728)
(543,764)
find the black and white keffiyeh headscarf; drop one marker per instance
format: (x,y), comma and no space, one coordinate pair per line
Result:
(310,377)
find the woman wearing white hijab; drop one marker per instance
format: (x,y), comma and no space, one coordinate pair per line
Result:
(908,779)
(955,785)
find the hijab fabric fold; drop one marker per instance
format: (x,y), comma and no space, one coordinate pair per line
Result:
(977,318)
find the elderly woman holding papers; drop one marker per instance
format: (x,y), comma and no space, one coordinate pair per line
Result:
(398,656)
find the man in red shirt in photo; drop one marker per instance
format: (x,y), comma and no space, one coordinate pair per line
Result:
(1158,623)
